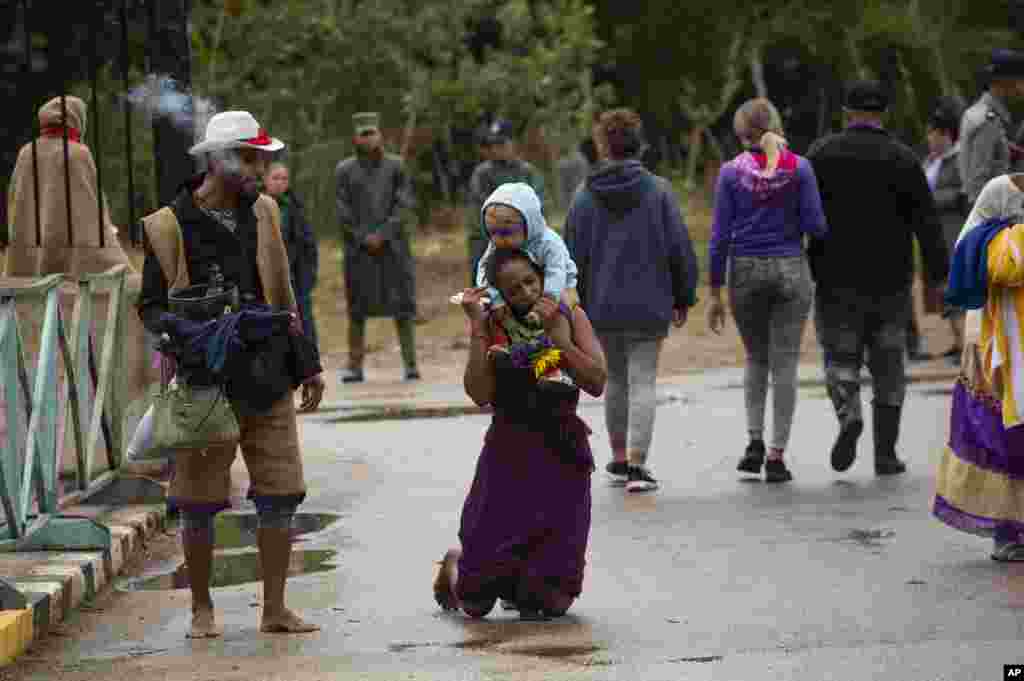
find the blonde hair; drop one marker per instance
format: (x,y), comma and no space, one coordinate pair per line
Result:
(758,123)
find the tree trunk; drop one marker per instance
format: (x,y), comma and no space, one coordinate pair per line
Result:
(693,158)
(757,71)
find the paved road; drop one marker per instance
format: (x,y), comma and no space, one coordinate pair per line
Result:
(831,577)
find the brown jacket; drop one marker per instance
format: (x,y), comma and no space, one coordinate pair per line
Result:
(164,235)
(27,258)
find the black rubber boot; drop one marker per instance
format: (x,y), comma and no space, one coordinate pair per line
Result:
(844,451)
(886,426)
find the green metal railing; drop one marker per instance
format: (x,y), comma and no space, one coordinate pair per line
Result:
(30,459)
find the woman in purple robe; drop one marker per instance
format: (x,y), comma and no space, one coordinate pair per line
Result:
(526,519)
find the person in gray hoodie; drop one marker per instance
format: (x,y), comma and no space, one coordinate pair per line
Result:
(637,276)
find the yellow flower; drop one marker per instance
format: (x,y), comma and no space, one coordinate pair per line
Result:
(548,360)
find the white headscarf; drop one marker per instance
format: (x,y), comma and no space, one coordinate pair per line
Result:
(1000,198)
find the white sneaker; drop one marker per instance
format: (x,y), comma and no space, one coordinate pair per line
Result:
(640,480)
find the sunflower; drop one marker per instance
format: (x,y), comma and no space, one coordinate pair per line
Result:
(548,359)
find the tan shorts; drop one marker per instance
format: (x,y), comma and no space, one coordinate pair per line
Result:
(270,449)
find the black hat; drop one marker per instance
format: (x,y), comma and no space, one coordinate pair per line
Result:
(866,95)
(1006,64)
(945,116)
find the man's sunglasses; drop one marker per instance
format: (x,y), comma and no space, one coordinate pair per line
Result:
(367,133)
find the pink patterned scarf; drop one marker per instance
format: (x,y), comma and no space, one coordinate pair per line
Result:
(754,176)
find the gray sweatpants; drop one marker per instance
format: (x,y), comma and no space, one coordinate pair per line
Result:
(630,394)
(770,300)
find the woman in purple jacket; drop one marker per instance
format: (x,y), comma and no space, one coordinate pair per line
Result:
(765,202)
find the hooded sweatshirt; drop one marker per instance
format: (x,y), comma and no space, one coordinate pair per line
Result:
(627,234)
(761,213)
(543,245)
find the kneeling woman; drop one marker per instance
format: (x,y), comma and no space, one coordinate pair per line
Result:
(526,520)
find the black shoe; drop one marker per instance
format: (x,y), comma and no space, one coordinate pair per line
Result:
(753,458)
(641,480)
(618,473)
(886,422)
(844,451)
(776,471)
(889,465)
(352,376)
(412,374)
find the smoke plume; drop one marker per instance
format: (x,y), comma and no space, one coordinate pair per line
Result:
(161,96)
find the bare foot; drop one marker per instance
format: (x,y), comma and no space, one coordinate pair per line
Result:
(444,589)
(204,625)
(286,623)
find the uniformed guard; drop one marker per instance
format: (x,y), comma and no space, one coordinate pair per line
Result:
(503,165)
(375,208)
(985,148)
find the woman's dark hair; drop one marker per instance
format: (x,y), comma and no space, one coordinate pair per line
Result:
(622,132)
(497,260)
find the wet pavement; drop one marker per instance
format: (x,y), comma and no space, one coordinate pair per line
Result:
(833,576)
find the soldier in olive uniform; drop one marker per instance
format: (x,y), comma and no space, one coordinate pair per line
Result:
(503,165)
(985,149)
(375,207)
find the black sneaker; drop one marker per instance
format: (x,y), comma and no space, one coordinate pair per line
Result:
(844,451)
(776,471)
(753,458)
(412,374)
(640,480)
(352,376)
(618,473)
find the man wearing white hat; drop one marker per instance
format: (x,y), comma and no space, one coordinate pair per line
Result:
(220,219)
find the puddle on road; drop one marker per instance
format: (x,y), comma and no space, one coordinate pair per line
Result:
(869,538)
(231,570)
(555,651)
(546,651)
(238,530)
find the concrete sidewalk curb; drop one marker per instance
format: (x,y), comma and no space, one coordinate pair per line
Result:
(56,583)
(449,400)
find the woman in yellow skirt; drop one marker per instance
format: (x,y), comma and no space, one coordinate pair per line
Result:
(980,481)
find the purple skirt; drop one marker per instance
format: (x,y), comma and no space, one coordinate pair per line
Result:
(526,520)
(980,482)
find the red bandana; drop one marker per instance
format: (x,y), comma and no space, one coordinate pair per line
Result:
(58,131)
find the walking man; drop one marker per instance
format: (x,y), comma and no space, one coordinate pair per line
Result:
(503,164)
(984,144)
(876,201)
(375,208)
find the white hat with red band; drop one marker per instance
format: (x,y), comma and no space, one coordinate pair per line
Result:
(235,130)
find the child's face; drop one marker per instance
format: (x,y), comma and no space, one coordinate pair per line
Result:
(505,226)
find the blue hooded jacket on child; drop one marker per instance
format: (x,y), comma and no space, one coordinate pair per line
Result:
(543,245)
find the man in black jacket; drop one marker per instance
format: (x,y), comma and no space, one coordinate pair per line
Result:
(876,200)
